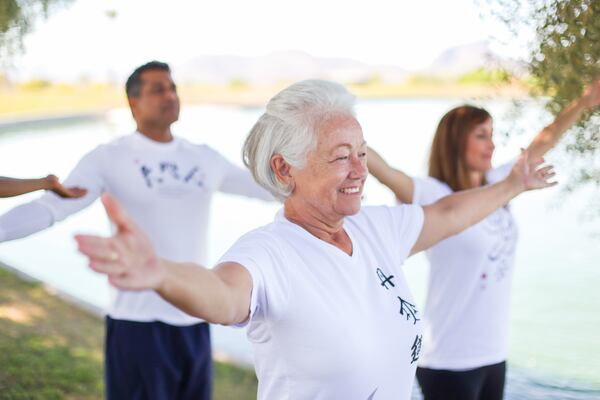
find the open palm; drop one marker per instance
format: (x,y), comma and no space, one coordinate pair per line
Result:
(127,257)
(532,174)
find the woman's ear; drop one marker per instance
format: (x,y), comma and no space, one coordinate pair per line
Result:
(282,170)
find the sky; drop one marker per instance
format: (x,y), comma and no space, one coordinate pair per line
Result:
(81,40)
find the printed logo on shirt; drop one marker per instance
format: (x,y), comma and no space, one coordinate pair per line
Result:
(372,395)
(385,280)
(416,348)
(500,226)
(168,178)
(408,309)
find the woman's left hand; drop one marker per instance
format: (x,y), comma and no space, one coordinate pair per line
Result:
(531,175)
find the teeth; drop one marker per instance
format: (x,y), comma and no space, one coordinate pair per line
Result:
(350,190)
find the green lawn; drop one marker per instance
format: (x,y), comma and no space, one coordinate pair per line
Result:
(50,349)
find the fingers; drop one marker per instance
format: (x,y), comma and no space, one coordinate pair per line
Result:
(97,248)
(533,164)
(76,192)
(116,213)
(546,170)
(70,193)
(103,257)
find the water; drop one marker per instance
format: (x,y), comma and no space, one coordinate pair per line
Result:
(555,323)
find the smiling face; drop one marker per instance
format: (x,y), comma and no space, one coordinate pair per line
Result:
(331,183)
(157,103)
(480,147)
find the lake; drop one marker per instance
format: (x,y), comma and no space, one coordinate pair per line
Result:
(555,311)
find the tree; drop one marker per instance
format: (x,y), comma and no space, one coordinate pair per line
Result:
(563,58)
(17,18)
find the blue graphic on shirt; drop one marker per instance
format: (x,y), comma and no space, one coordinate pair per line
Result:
(385,280)
(169,173)
(501,226)
(407,310)
(416,348)
(372,396)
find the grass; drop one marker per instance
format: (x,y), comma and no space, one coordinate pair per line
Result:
(50,349)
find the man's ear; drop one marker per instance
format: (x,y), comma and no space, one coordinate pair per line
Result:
(282,170)
(132,105)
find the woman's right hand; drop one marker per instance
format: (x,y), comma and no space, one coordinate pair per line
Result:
(127,257)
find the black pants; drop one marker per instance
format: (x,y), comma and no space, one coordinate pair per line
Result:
(157,361)
(485,383)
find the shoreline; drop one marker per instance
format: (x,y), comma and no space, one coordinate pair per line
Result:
(57,104)
(44,120)
(53,291)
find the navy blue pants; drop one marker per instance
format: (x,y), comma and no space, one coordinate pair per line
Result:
(157,361)
(485,383)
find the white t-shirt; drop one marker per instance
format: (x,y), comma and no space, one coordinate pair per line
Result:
(326,325)
(165,187)
(466,311)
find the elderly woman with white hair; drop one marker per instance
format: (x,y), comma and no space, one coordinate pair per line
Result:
(321,288)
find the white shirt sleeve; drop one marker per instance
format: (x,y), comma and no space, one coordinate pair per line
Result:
(39,214)
(428,190)
(397,228)
(24,220)
(256,252)
(236,180)
(407,222)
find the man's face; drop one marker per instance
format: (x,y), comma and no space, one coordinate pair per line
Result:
(158,102)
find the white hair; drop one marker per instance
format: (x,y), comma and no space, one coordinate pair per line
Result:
(289,127)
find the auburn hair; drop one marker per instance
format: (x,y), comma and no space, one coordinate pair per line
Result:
(447,157)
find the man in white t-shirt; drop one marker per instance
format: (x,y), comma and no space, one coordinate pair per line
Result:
(153,350)
(321,289)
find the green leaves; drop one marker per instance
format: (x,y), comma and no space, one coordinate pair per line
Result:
(17,18)
(564,58)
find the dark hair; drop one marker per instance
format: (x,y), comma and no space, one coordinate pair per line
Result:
(447,158)
(134,82)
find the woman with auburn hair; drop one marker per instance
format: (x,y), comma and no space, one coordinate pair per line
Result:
(465,340)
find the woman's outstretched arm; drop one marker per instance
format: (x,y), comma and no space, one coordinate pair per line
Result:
(221,295)
(551,134)
(454,213)
(396,180)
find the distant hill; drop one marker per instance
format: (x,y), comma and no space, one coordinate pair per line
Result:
(282,66)
(296,65)
(465,58)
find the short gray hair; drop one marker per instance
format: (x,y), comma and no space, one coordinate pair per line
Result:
(289,127)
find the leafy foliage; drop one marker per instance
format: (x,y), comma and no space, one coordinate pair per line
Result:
(564,57)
